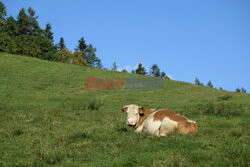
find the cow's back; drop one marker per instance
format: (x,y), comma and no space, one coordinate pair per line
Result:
(162,121)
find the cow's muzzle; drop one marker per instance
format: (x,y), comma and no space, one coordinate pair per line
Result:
(130,123)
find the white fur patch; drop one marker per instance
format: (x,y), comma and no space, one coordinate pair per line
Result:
(139,128)
(168,124)
(150,126)
(191,121)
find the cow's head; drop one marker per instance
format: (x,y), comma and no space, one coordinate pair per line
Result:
(133,113)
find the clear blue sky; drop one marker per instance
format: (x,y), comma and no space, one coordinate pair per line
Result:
(208,39)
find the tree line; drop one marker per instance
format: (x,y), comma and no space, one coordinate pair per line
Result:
(210,85)
(25,36)
(154,71)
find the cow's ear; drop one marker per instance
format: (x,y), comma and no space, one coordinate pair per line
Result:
(141,110)
(121,108)
(140,107)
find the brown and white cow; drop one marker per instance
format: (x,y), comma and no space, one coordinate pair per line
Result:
(158,122)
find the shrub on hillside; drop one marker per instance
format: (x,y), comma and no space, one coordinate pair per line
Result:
(220,109)
(65,55)
(51,56)
(225,97)
(77,58)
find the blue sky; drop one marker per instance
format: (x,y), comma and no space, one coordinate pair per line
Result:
(208,39)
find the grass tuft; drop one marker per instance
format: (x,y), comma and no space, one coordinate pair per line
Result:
(221,109)
(94,106)
(225,97)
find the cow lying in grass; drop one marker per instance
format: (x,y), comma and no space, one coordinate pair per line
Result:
(158,122)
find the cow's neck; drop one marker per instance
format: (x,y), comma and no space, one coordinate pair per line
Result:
(142,118)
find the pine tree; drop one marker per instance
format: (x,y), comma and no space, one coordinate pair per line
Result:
(47,46)
(197,82)
(114,68)
(3,13)
(91,58)
(237,90)
(90,55)
(48,32)
(11,27)
(23,22)
(163,75)
(243,90)
(30,41)
(209,84)
(34,28)
(82,46)
(140,69)
(61,44)
(3,35)
(8,36)
(99,64)
(124,70)
(155,71)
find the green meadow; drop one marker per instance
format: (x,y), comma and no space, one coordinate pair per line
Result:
(49,118)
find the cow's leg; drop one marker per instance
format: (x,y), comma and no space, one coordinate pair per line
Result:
(167,126)
(139,129)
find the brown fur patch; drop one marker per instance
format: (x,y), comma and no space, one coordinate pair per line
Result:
(186,127)
(193,128)
(161,114)
(123,109)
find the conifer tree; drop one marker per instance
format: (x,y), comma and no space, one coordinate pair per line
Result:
(34,28)
(140,69)
(243,90)
(163,75)
(82,46)
(155,71)
(3,36)
(114,68)
(209,84)
(61,43)
(237,90)
(99,64)
(3,12)
(197,82)
(8,37)
(22,22)
(48,32)
(91,58)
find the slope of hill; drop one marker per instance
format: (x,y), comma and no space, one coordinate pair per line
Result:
(47,117)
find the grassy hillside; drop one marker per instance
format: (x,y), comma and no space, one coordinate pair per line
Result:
(48,117)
